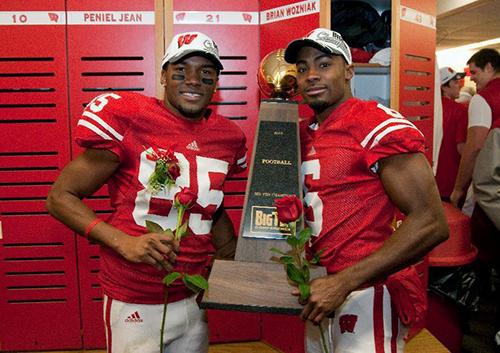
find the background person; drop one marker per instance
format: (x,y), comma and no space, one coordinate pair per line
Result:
(465,95)
(484,119)
(454,131)
(481,163)
(484,113)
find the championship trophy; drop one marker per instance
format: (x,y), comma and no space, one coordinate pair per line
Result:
(254,282)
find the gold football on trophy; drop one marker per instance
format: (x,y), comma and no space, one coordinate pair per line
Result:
(276,77)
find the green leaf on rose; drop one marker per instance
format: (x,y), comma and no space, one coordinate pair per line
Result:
(277,251)
(294,274)
(195,282)
(305,290)
(182,230)
(304,236)
(292,240)
(170,278)
(169,232)
(287,259)
(306,273)
(315,259)
(153,227)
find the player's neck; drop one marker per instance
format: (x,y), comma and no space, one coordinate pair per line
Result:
(321,116)
(195,117)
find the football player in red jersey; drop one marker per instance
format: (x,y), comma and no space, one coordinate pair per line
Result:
(361,160)
(454,131)
(123,134)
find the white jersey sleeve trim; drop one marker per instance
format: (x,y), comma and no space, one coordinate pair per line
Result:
(314,126)
(241,160)
(105,125)
(380,136)
(381,126)
(479,112)
(94,128)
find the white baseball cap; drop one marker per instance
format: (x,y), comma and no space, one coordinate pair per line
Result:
(323,39)
(192,42)
(447,74)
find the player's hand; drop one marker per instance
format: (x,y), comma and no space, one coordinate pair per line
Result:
(152,248)
(327,294)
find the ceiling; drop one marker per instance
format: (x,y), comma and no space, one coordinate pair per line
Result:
(465,22)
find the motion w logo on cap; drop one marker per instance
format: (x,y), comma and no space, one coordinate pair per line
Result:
(185,39)
(191,43)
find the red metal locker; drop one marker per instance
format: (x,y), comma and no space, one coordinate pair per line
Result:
(38,291)
(285,20)
(417,65)
(284,332)
(234,27)
(111,48)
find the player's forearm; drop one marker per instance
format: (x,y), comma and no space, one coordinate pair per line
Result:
(416,236)
(464,175)
(227,250)
(224,239)
(476,135)
(75,214)
(69,209)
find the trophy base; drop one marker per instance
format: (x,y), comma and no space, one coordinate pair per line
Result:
(253,287)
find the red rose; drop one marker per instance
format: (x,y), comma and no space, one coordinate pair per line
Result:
(161,154)
(174,171)
(173,159)
(153,155)
(289,208)
(168,155)
(185,197)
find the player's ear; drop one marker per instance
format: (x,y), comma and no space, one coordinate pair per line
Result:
(163,78)
(349,72)
(489,68)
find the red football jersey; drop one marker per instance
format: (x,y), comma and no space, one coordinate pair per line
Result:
(454,133)
(347,207)
(491,94)
(207,150)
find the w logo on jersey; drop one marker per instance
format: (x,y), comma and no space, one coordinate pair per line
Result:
(347,323)
(186,39)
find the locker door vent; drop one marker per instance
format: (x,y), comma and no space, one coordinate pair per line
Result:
(106,67)
(232,88)
(34,273)
(25,179)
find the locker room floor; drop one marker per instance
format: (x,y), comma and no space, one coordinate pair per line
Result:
(424,342)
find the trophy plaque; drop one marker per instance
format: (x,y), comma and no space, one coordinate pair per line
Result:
(254,282)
